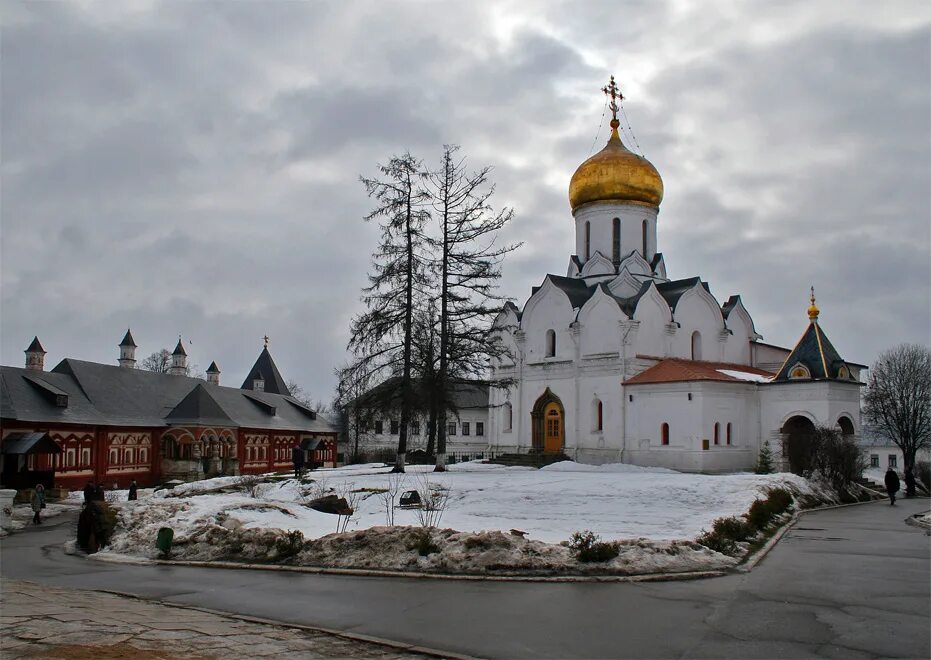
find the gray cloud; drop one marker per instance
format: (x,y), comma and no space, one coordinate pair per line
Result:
(193,167)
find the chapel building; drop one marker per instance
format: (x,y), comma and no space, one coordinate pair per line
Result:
(616,362)
(86,421)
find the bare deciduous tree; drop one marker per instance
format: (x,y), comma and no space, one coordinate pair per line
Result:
(159,362)
(897,402)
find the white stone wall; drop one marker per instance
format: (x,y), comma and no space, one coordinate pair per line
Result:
(601,219)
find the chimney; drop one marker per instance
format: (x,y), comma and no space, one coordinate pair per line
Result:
(178,360)
(128,351)
(35,356)
(213,373)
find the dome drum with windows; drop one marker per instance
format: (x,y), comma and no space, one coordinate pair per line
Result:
(615,174)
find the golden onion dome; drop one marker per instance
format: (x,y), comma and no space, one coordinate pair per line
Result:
(616,174)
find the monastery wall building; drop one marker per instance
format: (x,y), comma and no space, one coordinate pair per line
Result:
(615,362)
(85,421)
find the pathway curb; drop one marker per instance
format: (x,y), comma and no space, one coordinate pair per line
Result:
(365,572)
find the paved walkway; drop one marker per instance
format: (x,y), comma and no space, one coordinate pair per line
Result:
(49,622)
(845,583)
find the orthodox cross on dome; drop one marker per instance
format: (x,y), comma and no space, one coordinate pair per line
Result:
(813,310)
(611,90)
(265,338)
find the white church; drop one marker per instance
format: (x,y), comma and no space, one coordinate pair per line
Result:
(616,363)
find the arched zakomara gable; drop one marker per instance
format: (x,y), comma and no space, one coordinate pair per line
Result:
(548,424)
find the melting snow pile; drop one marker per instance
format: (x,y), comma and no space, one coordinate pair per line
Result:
(654,513)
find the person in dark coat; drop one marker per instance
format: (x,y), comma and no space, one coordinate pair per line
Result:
(910,482)
(38,503)
(297,457)
(99,495)
(132,491)
(892,484)
(89,490)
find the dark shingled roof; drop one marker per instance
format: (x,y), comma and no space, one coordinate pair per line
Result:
(179,349)
(730,305)
(30,443)
(108,395)
(674,290)
(35,346)
(266,369)
(213,368)
(575,288)
(578,292)
(199,408)
(815,351)
(465,394)
(128,339)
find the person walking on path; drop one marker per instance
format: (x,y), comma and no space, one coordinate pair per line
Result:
(132,491)
(89,492)
(297,457)
(892,484)
(38,503)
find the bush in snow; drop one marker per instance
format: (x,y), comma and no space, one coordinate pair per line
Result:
(290,544)
(726,533)
(589,548)
(423,543)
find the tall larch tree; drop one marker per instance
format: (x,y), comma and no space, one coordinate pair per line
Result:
(382,336)
(467,268)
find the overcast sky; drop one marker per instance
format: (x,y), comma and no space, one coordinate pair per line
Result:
(192,167)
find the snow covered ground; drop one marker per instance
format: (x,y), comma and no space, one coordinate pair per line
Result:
(657,511)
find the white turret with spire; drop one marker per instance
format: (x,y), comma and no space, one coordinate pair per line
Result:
(178,360)
(128,351)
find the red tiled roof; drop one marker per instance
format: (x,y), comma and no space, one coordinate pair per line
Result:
(677,371)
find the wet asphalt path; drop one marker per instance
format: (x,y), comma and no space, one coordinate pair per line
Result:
(845,583)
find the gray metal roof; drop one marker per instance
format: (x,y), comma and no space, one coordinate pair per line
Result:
(102,394)
(30,443)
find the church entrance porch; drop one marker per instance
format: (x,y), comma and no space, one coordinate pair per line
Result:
(797,435)
(548,424)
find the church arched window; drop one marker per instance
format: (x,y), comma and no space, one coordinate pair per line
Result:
(664,433)
(717,433)
(728,433)
(597,415)
(643,232)
(616,240)
(508,416)
(696,345)
(550,343)
(588,240)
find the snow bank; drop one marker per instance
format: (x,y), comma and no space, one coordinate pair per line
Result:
(652,512)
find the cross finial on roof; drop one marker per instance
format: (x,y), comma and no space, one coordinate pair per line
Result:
(612,90)
(813,310)
(266,340)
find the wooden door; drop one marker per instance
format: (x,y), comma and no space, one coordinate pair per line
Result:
(552,428)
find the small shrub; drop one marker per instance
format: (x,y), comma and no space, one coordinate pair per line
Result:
(718,543)
(726,533)
(588,547)
(423,543)
(759,515)
(779,500)
(290,544)
(733,528)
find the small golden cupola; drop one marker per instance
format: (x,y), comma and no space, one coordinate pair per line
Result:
(615,174)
